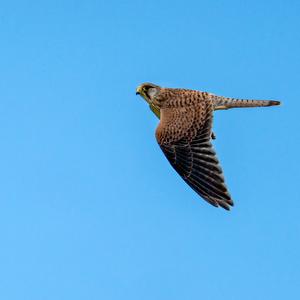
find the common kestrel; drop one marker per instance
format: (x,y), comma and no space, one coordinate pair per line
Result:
(184,134)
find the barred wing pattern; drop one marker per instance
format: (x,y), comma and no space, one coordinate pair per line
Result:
(196,162)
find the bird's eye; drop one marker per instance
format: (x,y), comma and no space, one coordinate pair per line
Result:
(151,92)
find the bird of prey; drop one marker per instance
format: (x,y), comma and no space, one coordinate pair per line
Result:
(184,135)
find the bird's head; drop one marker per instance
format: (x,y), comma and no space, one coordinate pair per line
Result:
(148,91)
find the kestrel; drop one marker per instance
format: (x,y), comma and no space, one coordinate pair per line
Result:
(184,134)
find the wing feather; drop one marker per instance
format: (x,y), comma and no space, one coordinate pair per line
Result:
(195,161)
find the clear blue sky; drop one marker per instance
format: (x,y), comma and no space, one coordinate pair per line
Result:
(89,206)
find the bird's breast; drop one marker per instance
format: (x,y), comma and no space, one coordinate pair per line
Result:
(175,124)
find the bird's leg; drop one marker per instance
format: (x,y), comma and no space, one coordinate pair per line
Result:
(213,136)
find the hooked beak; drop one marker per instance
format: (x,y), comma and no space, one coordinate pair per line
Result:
(138,90)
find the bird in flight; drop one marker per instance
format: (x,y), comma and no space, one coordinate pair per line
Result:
(184,135)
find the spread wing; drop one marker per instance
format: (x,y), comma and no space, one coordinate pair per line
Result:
(194,158)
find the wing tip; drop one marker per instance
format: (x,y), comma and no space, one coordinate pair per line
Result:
(227,204)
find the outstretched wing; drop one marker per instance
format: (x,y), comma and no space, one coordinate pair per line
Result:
(194,158)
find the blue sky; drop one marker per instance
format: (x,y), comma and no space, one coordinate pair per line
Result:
(89,206)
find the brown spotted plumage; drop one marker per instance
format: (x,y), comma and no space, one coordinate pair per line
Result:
(184,134)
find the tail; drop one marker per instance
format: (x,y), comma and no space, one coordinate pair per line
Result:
(226,103)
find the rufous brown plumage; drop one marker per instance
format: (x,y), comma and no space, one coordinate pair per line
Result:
(184,134)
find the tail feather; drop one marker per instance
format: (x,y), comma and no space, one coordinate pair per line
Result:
(226,103)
